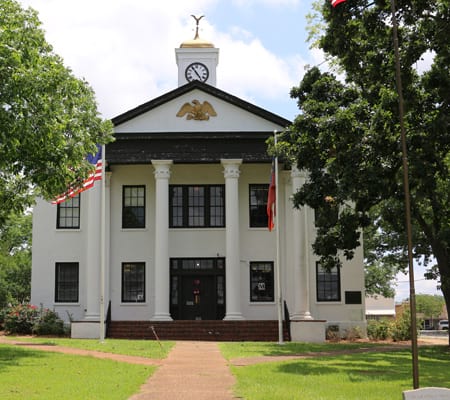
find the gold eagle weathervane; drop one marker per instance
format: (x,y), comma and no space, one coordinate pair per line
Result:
(197,21)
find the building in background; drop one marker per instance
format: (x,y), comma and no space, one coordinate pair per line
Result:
(380,307)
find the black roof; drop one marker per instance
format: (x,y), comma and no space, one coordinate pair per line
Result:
(236,101)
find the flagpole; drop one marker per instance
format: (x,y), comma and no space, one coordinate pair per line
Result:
(102,248)
(277,234)
(412,291)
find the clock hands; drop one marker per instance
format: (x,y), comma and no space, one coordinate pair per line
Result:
(196,72)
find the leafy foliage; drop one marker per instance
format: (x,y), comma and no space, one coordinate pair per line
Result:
(48,118)
(15,259)
(398,330)
(430,306)
(28,318)
(48,323)
(347,135)
(20,318)
(379,330)
(401,328)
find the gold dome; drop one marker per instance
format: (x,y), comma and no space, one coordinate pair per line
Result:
(196,43)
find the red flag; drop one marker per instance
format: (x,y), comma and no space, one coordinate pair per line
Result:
(95,175)
(334,3)
(271,199)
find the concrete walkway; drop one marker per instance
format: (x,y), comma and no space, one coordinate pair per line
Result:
(193,370)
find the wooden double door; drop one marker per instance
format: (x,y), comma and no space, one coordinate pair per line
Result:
(197,289)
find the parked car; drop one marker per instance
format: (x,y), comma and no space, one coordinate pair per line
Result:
(443,324)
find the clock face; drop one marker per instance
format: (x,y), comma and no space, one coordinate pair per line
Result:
(197,72)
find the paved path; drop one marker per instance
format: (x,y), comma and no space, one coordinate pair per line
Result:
(193,370)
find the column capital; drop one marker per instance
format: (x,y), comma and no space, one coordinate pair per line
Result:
(162,168)
(231,167)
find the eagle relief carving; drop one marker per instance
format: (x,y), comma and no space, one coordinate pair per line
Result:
(196,110)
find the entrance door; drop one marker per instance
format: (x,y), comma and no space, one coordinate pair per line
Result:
(197,288)
(198,297)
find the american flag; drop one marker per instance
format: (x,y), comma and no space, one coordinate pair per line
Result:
(95,175)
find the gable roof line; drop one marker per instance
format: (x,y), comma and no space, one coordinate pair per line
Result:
(229,98)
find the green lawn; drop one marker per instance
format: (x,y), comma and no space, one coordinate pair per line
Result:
(232,350)
(31,374)
(142,348)
(376,375)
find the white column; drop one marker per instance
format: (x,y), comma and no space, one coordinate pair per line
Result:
(107,276)
(162,267)
(232,273)
(300,259)
(91,203)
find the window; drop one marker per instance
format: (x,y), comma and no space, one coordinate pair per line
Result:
(133,282)
(261,281)
(200,206)
(133,207)
(258,205)
(66,282)
(328,284)
(68,214)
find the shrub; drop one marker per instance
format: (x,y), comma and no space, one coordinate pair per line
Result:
(379,330)
(29,319)
(20,318)
(401,329)
(332,333)
(353,333)
(48,323)
(3,312)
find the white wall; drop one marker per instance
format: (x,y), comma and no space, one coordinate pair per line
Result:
(137,245)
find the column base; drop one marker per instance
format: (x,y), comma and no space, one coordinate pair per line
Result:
(234,317)
(91,317)
(302,316)
(86,330)
(161,317)
(311,331)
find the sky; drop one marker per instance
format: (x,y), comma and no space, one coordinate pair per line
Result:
(125,49)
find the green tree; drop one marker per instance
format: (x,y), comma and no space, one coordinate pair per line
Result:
(48,118)
(15,259)
(429,305)
(347,135)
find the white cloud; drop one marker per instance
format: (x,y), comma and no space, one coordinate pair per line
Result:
(125,49)
(425,62)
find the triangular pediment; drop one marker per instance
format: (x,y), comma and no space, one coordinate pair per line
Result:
(197,107)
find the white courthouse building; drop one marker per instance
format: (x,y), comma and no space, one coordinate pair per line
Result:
(186,235)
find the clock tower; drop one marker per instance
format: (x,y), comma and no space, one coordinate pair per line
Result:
(197,59)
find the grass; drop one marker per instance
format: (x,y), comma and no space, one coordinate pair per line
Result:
(369,376)
(381,374)
(142,348)
(255,349)
(32,374)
